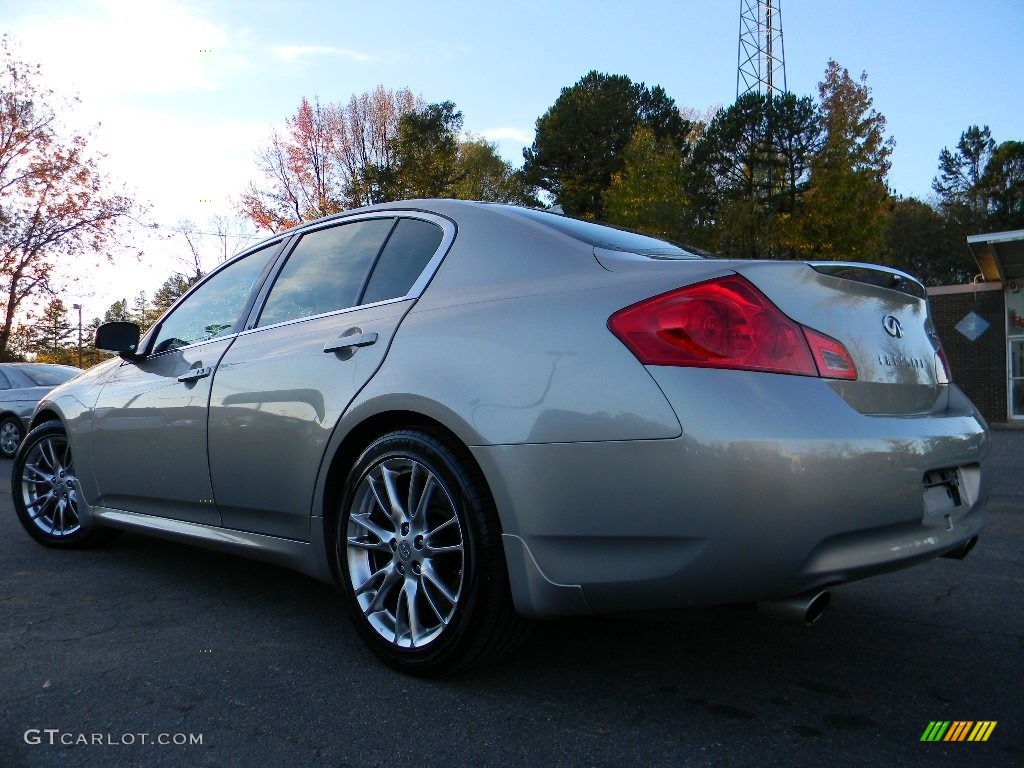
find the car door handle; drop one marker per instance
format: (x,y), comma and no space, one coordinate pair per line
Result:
(342,343)
(195,374)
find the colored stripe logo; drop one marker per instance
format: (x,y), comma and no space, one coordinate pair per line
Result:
(959,730)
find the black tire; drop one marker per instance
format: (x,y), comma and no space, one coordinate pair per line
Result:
(12,432)
(46,492)
(417,527)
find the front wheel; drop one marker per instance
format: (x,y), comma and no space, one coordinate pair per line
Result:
(419,556)
(46,491)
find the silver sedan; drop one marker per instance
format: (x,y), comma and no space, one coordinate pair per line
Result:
(22,385)
(468,415)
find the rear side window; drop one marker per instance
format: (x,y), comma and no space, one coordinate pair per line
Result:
(411,245)
(5,383)
(603,236)
(325,271)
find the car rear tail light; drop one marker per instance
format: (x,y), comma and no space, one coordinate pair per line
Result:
(727,323)
(831,357)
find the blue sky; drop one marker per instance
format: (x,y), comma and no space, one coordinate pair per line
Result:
(180,125)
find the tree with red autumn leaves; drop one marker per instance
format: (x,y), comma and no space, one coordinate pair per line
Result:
(380,146)
(327,159)
(55,202)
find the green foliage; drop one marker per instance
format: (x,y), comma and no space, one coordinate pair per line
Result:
(845,206)
(649,193)
(431,159)
(1003,186)
(118,312)
(780,177)
(426,154)
(750,169)
(483,175)
(958,184)
(51,336)
(381,146)
(920,241)
(145,313)
(50,330)
(580,140)
(979,188)
(172,289)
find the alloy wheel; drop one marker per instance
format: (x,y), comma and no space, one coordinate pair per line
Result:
(49,488)
(405,552)
(10,437)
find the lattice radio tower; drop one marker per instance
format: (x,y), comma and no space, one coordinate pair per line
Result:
(761,58)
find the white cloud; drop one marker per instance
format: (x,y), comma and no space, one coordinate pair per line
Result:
(113,53)
(524,137)
(110,48)
(296,52)
(177,160)
(184,168)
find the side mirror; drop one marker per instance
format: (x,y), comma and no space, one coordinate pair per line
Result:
(119,337)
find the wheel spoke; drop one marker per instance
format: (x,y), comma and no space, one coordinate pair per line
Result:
(444,550)
(453,521)
(58,513)
(66,459)
(416,479)
(390,579)
(412,611)
(41,499)
(433,605)
(45,501)
(43,477)
(420,515)
(398,514)
(429,575)
(367,585)
(364,521)
(71,510)
(50,454)
(373,546)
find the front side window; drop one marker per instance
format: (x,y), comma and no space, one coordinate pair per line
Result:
(326,270)
(215,307)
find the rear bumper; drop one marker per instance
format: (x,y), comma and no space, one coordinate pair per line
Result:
(797,493)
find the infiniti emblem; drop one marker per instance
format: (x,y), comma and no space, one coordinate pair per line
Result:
(404,550)
(893,326)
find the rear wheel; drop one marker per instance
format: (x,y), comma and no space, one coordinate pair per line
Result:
(419,555)
(47,494)
(11,434)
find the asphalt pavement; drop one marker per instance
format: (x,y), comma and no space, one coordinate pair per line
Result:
(148,653)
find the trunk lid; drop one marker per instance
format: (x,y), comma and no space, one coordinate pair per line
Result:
(879,314)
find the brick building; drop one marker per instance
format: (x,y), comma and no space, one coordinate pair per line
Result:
(982,327)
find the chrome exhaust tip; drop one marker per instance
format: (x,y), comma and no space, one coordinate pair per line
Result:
(960,551)
(800,609)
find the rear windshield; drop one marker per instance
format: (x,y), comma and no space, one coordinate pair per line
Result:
(603,236)
(47,376)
